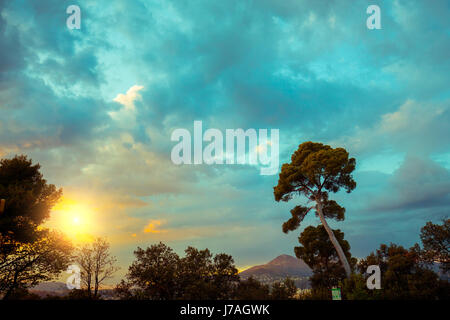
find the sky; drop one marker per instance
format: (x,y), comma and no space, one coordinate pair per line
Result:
(96,107)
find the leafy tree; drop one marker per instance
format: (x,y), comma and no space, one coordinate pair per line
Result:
(28,253)
(205,277)
(355,288)
(97,265)
(195,274)
(29,198)
(225,277)
(27,264)
(285,290)
(436,244)
(252,289)
(314,171)
(403,275)
(159,273)
(154,274)
(320,255)
(125,291)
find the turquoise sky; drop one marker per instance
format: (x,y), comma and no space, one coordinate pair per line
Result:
(96,108)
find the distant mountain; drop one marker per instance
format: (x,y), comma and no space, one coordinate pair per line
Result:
(52,288)
(55,288)
(278,269)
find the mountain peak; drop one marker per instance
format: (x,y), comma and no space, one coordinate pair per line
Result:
(279,268)
(284,259)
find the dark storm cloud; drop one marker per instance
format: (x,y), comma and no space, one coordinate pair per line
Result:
(308,68)
(418,183)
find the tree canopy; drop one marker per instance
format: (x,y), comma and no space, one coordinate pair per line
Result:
(27,264)
(403,274)
(29,253)
(158,273)
(314,171)
(29,198)
(320,255)
(436,244)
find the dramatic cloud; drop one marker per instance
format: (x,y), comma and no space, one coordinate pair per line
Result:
(418,183)
(96,107)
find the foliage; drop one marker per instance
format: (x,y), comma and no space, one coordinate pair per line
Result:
(205,277)
(403,274)
(29,253)
(285,290)
(315,168)
(158,273)
(355,288)
(252,289)
(436,244)
(27,264)
(155,272)
(28,198)
(320,255)
(314,171)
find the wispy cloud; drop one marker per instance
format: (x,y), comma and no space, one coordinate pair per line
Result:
(154,227)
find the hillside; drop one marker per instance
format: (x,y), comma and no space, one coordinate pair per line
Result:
(278,269)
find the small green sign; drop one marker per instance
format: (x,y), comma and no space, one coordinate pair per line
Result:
(336,293)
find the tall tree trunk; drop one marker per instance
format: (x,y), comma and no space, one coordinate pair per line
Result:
(12,287)
(333,239)
(96,286)
(89,289)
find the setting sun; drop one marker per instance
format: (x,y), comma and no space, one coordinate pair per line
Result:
(73,218)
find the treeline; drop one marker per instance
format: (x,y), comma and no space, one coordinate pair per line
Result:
(31,254)
(316,171)
(405,273)
(158,273)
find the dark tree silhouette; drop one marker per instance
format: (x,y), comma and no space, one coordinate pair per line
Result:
(285,290)
(314,171)
(28,253)
(27,264)
(252,289)
(29,198)
(155,272)
(158,273)
(320,255)
(204,277)
(97,265)
(436,244)
(403,275)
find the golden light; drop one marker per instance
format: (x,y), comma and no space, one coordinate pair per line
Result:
(74,219)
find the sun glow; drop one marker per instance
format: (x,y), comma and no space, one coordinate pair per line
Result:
(74,219)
